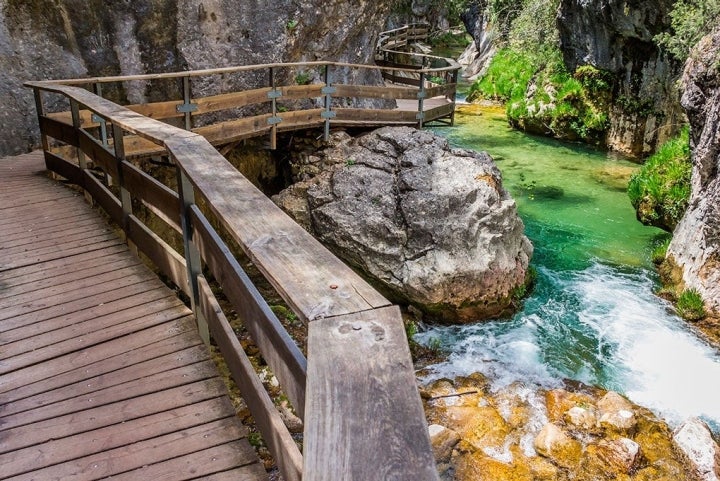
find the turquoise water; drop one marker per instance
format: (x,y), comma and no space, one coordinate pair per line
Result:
(592,316)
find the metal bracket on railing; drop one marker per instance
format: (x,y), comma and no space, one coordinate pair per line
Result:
(420,116)
(186,108)
(328,91)
(421,97)
(422,94)
(274,94)
(328,115)
(274,120)
(96,119)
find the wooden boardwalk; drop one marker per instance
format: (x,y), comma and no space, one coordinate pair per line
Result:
(102,372)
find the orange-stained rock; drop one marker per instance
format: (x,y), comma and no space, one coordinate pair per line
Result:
(555,444)
(559,401)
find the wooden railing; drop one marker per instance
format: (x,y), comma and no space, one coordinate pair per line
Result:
(356,392)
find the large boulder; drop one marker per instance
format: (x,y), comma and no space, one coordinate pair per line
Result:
(697,445)
(695,246)
(433,225)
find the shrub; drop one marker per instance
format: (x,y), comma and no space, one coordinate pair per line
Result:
(507,77)
(690,20)
(659,251)
(690,305)
(660,190)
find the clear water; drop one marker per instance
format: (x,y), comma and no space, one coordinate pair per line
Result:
(593,316)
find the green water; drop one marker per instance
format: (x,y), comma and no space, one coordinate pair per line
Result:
(571,197)
(592,316)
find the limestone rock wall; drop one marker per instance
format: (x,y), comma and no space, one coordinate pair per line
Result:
(44,39)
(617,36)
(695,247)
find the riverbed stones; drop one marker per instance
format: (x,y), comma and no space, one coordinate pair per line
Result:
(608,459)
(616,413)
(443,442)
(554,443)
(432,225)
(696,443)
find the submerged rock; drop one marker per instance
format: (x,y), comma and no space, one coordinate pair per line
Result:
(695,246)
(433,225)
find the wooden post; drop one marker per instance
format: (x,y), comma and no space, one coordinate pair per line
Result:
(97,89)
(125,197)
(421,99)
(40,108)
(328,90)
(82,161)
(454,95)
(192,255)
(187,99)
(273,101)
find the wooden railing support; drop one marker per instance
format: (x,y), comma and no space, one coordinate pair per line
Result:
(40,108)
(97,89)
(186,107)
(274,119)
(421,100)
(328,114)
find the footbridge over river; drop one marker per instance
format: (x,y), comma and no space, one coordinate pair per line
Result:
(105,372)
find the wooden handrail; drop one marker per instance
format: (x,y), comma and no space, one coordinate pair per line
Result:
(362,413)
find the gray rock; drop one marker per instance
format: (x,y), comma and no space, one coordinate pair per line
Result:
(695,246)
(694,440)
(443,442)
(617,36)
(432,224)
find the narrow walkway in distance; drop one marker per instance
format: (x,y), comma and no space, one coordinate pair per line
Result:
(102,372)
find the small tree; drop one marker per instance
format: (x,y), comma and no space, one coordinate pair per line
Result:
(690,20)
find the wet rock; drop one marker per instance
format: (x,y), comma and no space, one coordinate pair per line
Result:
(555,444)
(610,458)
(695,441)
(582,418)
(616,412)
(560,401)
(443,442)
(431,224)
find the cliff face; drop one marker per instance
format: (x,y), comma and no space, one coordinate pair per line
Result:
(695,247)
(43,39)
(617,36)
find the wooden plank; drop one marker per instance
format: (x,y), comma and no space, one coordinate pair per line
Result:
(300,119)
(197,465)
(79,228)
(439,112)
(364,420)
(251,472)
(374,115)
(232,100)
(31,233)
(234,130)
(64,168)
(59,130)
(136,146)
(375,92)
(89,385)
(159,252)
(308,276)
(266,417)
(162,200)
(278,348)
(301,92)
(107,415)
(55,267)
(123,327)
(399,79)
(441,90)
(98,154)
(57,285)
(102,195)
(83,460)
(136,350)
(53,252)
(142,386)
(74,272)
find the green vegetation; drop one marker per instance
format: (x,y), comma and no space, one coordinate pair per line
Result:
(302,78)
(659,251)
(529,75)
(690,305)
(660,190)
(690,21)
(291,24)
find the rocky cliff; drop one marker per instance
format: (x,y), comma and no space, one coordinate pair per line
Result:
(43,39)
(695,247)
(617,36)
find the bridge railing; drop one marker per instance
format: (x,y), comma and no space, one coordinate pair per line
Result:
(356,390)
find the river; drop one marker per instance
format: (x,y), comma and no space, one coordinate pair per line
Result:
(593,316)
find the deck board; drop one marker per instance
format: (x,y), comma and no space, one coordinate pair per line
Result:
(102,372)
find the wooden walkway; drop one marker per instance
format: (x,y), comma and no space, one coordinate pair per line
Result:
(102,372)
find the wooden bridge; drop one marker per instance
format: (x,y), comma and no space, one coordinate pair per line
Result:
(102,368)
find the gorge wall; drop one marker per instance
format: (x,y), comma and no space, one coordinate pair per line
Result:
(617,36)
(45,39)
(695,246)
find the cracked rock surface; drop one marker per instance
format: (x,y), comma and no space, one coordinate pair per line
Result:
(431,224)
